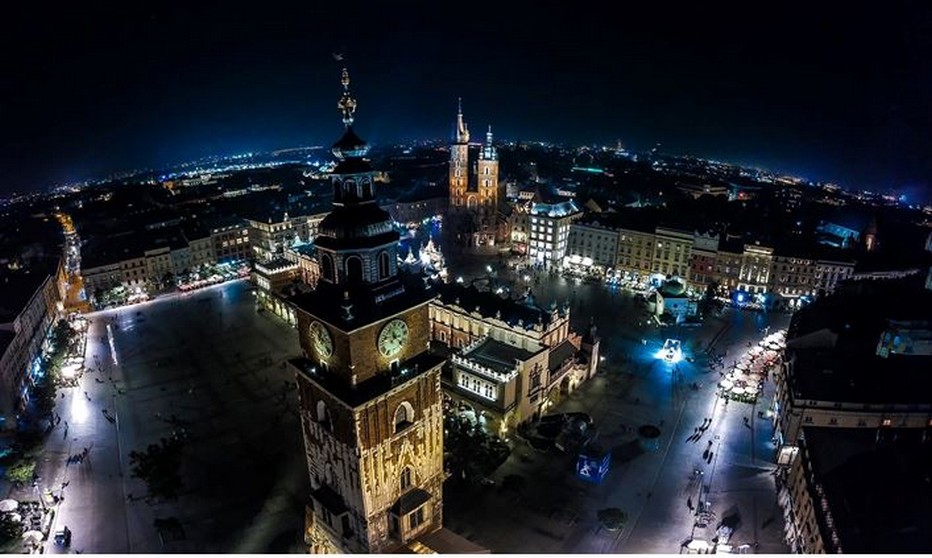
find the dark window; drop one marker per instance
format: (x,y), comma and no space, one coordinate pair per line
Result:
(383,265)
(326,264)
(404,416)
(405,479)
(353,269)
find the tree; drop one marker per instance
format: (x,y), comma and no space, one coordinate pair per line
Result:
(9,529)
(159,467)
(45,393)
(470,453)
(22,472)
(612,518)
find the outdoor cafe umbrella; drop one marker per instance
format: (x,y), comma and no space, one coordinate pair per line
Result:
(8,505)
(728,384)
(698,545)
(15,517)
(33,536)
(738,390)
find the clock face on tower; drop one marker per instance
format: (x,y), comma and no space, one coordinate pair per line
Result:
(393,337)
(322,340)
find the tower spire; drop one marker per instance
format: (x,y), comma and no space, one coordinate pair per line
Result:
(347,104)
(462,133)
(488,136)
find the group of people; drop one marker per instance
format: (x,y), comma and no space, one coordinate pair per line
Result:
(76,458)
(700,430)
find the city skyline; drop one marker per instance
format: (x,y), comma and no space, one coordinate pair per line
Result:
(101,90)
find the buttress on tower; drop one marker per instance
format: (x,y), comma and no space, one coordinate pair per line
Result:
(474,184)
(369,391)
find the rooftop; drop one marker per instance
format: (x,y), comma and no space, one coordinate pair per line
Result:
(515,313)
(877,487)
(560,354)
(17,288)
(498,356)
(369,303)
(354,396)
(836,343)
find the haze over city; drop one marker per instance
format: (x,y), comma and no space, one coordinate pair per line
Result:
(808,90)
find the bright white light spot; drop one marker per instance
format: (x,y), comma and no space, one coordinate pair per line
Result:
(671,351)
(79,410)
(112,347)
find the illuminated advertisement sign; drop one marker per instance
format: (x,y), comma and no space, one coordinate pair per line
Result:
(592,467)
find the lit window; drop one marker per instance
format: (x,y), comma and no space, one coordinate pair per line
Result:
(416,518)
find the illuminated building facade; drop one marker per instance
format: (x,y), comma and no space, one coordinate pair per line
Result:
(369,391)
(702,261)
(635,252)
(592,245)
(756,263)
(672,252)
(549,225)
(511,358)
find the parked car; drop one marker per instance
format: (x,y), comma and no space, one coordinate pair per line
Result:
(63,537)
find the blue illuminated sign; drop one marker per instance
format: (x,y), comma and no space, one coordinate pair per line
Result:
(593,467)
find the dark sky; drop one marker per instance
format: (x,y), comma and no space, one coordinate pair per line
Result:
(832,94)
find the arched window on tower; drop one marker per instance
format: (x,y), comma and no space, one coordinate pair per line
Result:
(383,265)
(350,190)
(323,416)
(404,416)
(326,266)
(406,480)
(353,269)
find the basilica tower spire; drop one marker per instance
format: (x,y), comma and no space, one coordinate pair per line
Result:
(462,132)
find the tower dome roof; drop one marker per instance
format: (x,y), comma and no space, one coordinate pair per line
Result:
(673,288)
(350,145)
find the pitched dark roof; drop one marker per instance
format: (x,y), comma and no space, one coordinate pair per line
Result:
(491,305)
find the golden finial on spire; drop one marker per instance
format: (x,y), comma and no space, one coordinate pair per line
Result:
(347,104)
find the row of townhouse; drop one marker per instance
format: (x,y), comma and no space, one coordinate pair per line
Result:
(30,305)
(272,232)
(703,259)
(148,259)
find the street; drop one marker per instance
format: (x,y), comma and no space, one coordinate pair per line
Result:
(204,362)
(653,481)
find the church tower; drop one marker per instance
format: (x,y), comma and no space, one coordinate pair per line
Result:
(487,169)
(369,392)
(459,162)
(474,184)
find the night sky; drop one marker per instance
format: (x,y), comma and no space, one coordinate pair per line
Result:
(830,94)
